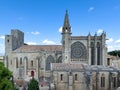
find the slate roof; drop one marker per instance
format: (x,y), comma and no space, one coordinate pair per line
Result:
(37,48)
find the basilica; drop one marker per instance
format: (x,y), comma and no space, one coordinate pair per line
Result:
(80,63)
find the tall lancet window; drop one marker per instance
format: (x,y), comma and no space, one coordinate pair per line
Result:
(114,82)
(32,63)
(20,61)
(59,60)
(76,77)
(98,53)
(16,62)
(92,54)
(61,77)
(103,80)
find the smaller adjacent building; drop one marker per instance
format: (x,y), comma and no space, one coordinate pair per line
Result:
(77,76)
(113,61)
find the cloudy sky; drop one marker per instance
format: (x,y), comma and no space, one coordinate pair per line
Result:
(41,20)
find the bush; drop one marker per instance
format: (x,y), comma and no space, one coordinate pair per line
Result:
(33,85)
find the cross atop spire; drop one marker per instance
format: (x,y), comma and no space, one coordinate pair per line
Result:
(66,25)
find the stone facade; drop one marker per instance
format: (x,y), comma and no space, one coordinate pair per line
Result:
(84,49)
(85,77)
(113,61)
(77,64)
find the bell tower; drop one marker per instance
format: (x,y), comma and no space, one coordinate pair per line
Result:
(66,39)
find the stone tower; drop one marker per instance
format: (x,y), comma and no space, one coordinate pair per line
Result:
(66,36)
(12,42)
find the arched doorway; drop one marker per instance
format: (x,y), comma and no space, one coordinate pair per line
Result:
(32,73)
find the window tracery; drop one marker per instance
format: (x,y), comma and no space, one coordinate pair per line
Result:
(78,50)
(49,60)
(103,80)
(59,60)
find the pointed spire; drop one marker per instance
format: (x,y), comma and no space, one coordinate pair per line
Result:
(66,25)
(66,20)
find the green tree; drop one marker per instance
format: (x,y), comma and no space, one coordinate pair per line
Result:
(114,53)
(5,75)
(33,85)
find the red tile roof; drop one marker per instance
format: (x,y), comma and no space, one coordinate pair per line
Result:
(36,48)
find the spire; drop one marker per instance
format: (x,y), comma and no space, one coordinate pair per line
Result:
(66,25)
(66,20)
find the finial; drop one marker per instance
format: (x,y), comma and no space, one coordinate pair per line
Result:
(95,33)
(89,34)
(104,33)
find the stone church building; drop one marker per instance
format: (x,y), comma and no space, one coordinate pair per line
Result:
(78,64)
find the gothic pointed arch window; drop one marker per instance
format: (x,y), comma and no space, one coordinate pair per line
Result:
(16,62)
(32,63)
(76,77)
(49,60)
(98,53)
(92,54)
(78,51)
(114,80)
(59,60)
(102,80)
(20,60)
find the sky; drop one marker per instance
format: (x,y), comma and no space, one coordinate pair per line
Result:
(41,20)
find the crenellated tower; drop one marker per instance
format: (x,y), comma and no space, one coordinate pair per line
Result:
(12,42)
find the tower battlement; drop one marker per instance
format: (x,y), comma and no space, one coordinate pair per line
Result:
(14,40)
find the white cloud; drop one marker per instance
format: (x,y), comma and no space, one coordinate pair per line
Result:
(110,40)
(35,33)
(46,41)
(60,29)
(113,44)
(91,9)
(113,47)
(31,43)
(99,31)
(2,37)
(110,47)
(117,41)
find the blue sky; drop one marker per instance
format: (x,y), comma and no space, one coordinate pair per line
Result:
(41,20)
